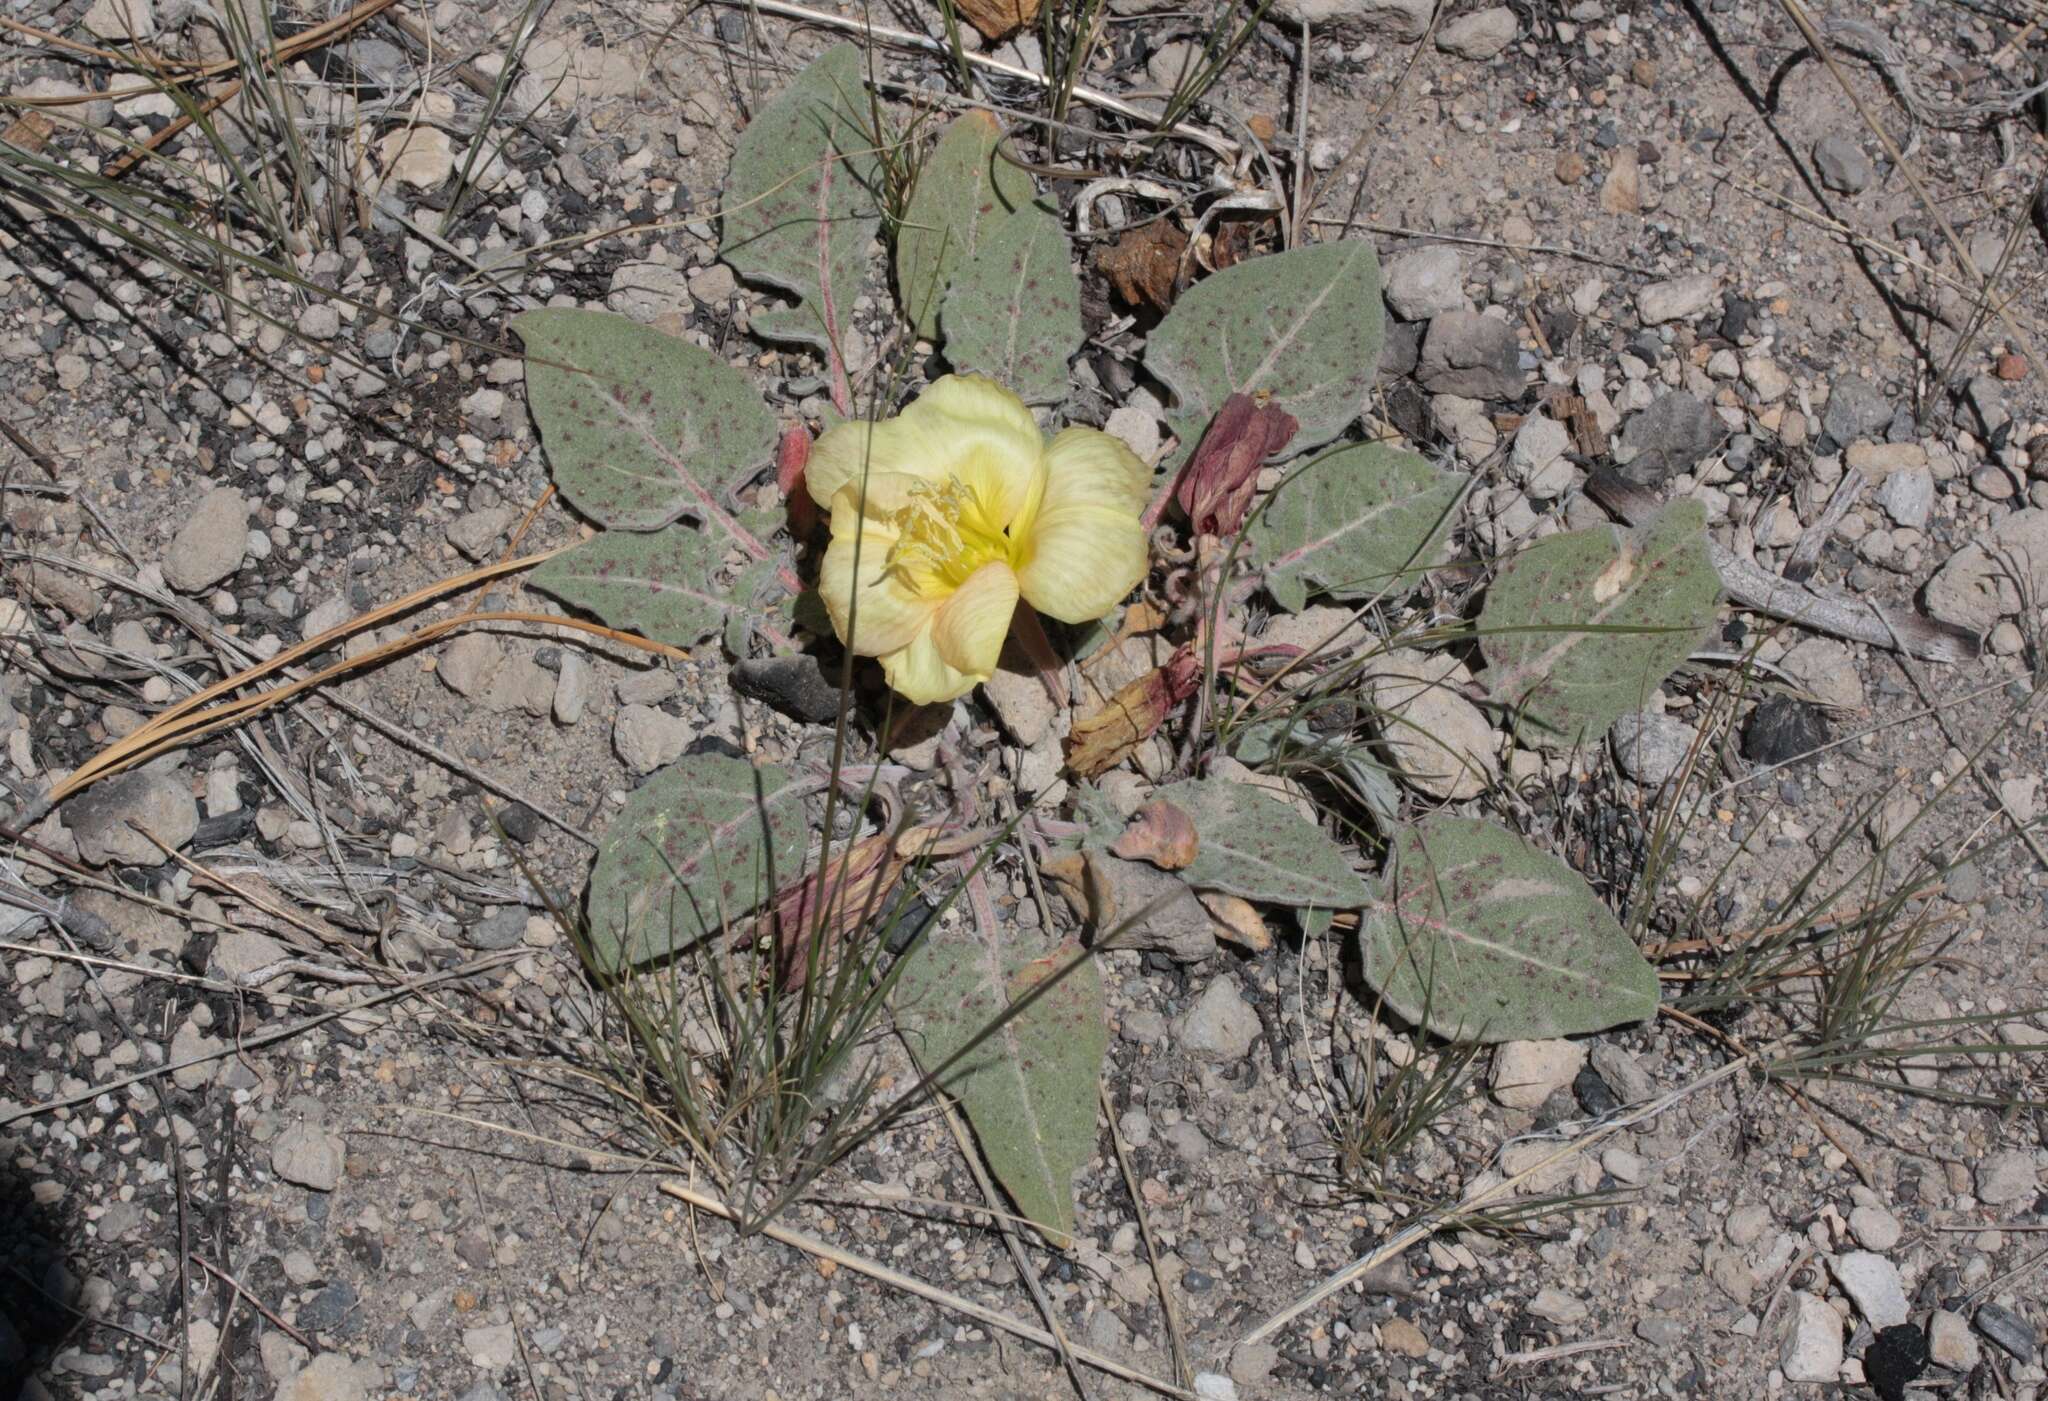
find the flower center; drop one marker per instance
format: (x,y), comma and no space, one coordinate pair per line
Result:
(944,534)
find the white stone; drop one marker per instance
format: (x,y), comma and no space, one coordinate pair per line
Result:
(332,1376)
(209,545)
(1441,742)
(1907,496)
(1826,668)
(1950,1342)
(1556,1306)
(309,1156)
(1480,35)
(1424,282)
(471,664)
(1975,588)
(1405,20)
(121,19)
(2007,1177)
(1540,445)
(1763,375)
(573,685)
(1874,1227)
(647,738)
(1136,429)
(1679,299)
(1873,1282)
(419,156)
(1525,1073)
(1220,1026)
(1811,1350)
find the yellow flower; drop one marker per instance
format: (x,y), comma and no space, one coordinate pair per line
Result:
(959,506)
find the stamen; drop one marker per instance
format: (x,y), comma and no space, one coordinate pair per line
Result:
(945,532)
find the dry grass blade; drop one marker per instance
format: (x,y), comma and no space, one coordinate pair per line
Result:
(902,38)
(196,717)
(1475,1203)
(910,1284)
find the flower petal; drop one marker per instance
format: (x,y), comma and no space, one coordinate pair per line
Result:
(844,451)
(970,626)
(1087,467)
(1084,548)
(920,675)
(982,434)
(890,613)
(1083,560)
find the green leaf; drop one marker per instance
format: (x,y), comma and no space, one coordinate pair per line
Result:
(1357,522)
(640,428)
(801,204)
(1014,309)
(1496,940)
(1030,1086)
(965,188)
(665,585)
(1304,325)
(1254,845)
(1579,628)
(697,846)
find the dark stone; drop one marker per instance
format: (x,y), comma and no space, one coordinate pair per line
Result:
(795,685)
(1897,1357)
(521,823)
(1401,349)
(1781,730)
(1197,1282)
(1855,410)
(1668,437)
(2012,1333)
(328,1310)
(1738,318)
(225,830)
(906,922)
(1408,410)
(1472,356)
(1593,1093)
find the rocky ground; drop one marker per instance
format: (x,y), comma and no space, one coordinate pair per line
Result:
(317,1072)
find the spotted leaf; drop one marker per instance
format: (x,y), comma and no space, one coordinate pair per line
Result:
(1478,936)
(1581,627)
(1028,1086)
(672,585)
(702,843)
(1014,309)
(964,189)
(801,204)
(1303,328)
(641,429)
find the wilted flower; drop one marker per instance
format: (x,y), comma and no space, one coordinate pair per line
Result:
(959,506)
(1216,487)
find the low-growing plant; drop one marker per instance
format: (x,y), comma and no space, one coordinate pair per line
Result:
(948,522)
